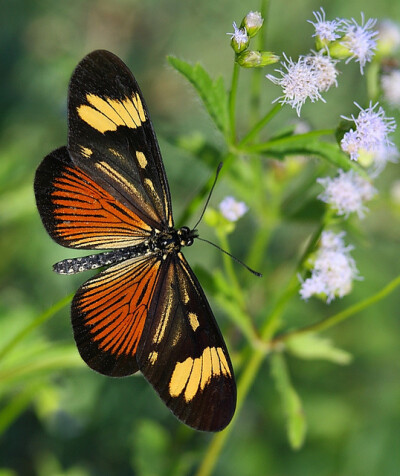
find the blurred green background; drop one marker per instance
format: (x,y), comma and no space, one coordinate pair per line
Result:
(59,418)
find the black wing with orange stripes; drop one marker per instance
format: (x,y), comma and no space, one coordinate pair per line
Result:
(77,212)
(108,191)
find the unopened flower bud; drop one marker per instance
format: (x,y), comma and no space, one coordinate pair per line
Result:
(256,59)
(253,21)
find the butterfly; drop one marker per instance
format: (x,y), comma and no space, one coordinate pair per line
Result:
(146,311)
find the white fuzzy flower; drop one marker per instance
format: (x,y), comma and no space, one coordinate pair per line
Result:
(372,130)
(347,193)
(359,40)
(333,241)
(389,37)
(390,83)
(231,209)
(325,69)
(351,144)
(299,82)
(324,29)
(239,35)
(334,269)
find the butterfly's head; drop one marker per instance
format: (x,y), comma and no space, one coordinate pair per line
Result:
(187,236)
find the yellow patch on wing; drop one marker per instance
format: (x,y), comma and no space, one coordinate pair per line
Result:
(194,381)
(192,375)
(86,152)
(185,295)
(116,176)
(153,357)
(162,325)
(149,184)
(141,158)
(194,322)
(96,119)
(107,114)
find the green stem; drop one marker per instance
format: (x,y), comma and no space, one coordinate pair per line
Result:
(260,124)
(372,77)
(343,315)
(282,140)
(228,264)
(34,324)
(232,101)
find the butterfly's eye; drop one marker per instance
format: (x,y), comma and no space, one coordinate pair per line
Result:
(189,241)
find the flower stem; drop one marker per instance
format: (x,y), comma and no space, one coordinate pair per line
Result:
(232,101)
(343,315)
(260,124)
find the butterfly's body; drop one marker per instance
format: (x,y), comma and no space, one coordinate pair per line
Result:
(159,244)
(107,190)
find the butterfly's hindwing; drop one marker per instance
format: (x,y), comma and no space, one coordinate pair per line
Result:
(77,212)
(109,312)
(111,137)
(182,352)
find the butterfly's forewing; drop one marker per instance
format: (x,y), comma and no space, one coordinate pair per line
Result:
(111,137)
(109,312)
(77,212)
(182,353)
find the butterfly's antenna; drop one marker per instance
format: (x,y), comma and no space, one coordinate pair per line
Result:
(233,257)
(209,194)
(210,242)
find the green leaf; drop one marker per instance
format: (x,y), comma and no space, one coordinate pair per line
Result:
(212,93)
(313,347)
(295,418)
(308,144)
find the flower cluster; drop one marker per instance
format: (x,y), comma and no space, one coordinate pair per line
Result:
(305,79)
(231,209)
(315,73)
(347,193)
(372,128)
(333,269)
(359,40)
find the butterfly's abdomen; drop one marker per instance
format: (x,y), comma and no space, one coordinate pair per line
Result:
(84,263)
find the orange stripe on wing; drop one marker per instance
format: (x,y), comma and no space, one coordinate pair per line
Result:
(88,216)
(114,304)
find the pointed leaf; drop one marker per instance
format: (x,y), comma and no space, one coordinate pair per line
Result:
(313,347)
(295,418)
(212,93)
(308,144)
